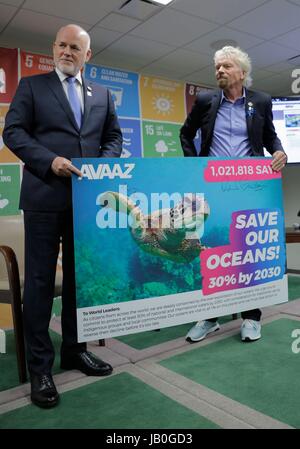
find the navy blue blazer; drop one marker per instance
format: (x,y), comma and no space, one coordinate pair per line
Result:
(259,118)
(40,126)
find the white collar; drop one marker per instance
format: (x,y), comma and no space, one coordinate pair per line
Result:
(62,76)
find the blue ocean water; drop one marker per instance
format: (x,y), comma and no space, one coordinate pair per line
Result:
(111,267)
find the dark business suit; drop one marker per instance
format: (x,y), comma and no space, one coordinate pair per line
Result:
(40,126)
(259,118)
(261,133)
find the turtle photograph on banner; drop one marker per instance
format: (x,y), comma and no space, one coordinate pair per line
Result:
(162,242)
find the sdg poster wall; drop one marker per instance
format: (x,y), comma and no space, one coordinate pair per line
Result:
(161,242)
(13,64)
(151,111)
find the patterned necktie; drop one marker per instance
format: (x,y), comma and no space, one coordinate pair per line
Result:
(74,99)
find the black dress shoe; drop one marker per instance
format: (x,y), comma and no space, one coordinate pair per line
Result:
(43,391)
(87,363)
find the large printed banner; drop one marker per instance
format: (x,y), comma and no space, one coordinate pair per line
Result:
(161,242)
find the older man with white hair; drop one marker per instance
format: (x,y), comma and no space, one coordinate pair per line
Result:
(234,122)
(53,118)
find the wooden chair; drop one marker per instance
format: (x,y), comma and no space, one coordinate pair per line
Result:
(16,305)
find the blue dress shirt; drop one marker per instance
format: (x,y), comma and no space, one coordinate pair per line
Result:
(230,137)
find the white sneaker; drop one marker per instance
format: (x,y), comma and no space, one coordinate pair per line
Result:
(250,330)
(201,329)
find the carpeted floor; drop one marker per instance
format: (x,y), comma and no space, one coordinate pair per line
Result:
(294,287)
(262,375)
(8,363)
(163,382)
(121,402)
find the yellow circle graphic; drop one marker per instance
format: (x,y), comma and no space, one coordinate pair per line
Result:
(163,104)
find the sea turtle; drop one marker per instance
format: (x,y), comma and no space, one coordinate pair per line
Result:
(169,233)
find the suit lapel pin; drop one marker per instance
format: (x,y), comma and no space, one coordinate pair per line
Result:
(250,109)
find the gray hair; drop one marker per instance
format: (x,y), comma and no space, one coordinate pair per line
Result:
(240,57)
